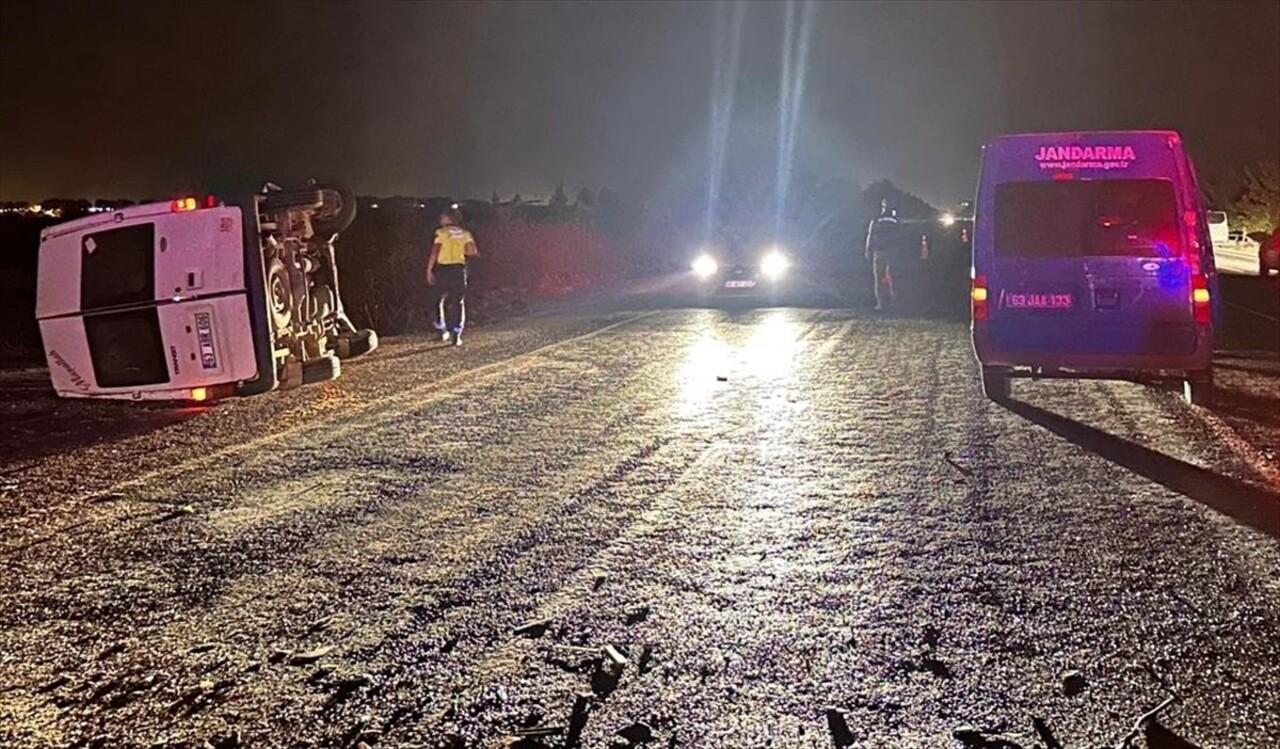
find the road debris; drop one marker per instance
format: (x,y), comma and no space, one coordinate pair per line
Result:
(1046,736)
(534,629)
(609,672)
(539,731)
(310,656)
(646,656)
(967,473)
(838,728)
(637,733)
(577,719)
(637,615)
(572,658)
(1140,724)
(615,656)
(932,636)
(1073,683)
(230,740)
(935,667)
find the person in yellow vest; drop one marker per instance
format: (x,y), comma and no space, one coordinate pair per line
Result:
(447,272)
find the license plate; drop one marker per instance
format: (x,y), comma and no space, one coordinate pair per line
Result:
(1033,300)
(204,335)
(739,284)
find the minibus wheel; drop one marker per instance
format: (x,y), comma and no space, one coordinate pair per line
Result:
(279,295)
(322,369)
(338,209)
(1198,389)
(292,200)
(996,385)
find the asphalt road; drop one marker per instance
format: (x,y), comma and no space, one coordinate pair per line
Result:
(764,513)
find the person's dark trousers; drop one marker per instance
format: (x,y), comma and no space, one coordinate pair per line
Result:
(451,296)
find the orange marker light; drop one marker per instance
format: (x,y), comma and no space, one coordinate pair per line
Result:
(183,204)
(199,394)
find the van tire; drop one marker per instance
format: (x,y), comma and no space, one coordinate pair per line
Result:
(996,385)
(1198,389)
(320,370)
(359,343)
(338,211)
(292,200)
(279,295)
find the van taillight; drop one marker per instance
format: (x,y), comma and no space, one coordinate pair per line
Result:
(210,201)
(184,204)
(978,294)
(210,393)
(1200,299)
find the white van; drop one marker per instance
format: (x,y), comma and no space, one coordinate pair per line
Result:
(196,300)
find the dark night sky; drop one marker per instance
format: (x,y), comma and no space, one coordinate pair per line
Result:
(154,100)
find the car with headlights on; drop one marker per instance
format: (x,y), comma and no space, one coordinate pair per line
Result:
(761,273)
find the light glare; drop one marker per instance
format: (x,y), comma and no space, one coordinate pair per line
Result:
(705,266)
(774,264)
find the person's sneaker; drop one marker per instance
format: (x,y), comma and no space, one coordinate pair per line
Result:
(457,339)
(446,336)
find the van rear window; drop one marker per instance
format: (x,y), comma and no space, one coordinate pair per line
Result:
(126,348)
(118,267)
(1087,218)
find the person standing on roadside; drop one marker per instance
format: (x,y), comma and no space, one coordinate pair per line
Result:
(883,237)
(447,273)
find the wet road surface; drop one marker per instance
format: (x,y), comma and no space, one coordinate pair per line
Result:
(706,527)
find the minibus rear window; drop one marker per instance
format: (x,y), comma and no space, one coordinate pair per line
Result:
(127,348)
(118,267)
(1086,218)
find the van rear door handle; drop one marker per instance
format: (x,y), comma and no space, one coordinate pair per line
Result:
(1106,299)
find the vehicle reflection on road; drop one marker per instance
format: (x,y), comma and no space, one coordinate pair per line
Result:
(765,365)
(706,366)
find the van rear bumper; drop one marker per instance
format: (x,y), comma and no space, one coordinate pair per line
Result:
(1197,356)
